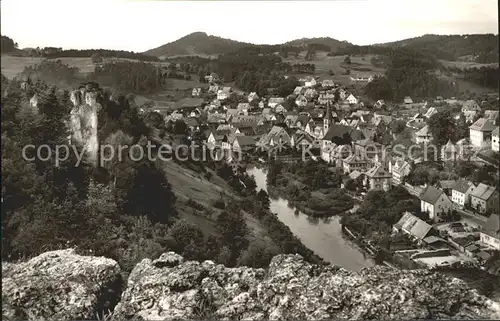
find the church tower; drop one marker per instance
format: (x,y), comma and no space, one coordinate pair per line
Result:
(327,119)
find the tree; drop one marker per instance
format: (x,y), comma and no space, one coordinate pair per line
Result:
(443,127)
(347,60)
(398,126)
(96,58)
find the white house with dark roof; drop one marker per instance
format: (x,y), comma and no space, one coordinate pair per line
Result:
(482,198)
(460,192)
(434,201)
(327,83)
(480,132)
(252,96)
(378,178)
(424,135)
(408,100)
(400,169)
(224,93)
(470,105)
(274,101)
(490,232)
(352,100)
(495,140)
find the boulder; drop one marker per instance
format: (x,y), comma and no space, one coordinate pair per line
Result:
(59,285)
(170,288)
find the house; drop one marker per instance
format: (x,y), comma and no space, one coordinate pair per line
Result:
(490,232)
(399,170)
(431,111)
(423,136)
(262,104)
(379,104)
(213,89)
(310,82)
(412,225)
(326,97)
(352,100)
(327,83)
(243,107)
(434,201)
(354,162)
(252,96)
(446,186)
(301,101)
(469,106)
(243,143)
(460,193)
(301,139)
(480,132)
(407,100)
(290,120)
(492,115)
(484,198)
(418,118)
(449,152)
(196,92)
(224,93)
(310,93)
(273,102)
(213,77)
(276,136)
(299,90)
(378,178)
(494,140)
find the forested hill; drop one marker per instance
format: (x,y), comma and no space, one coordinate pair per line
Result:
(197,43)
(326,42)
(482,48)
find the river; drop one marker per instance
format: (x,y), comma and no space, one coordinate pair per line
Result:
(323,236)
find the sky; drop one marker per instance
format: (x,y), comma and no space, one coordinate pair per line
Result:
(142,25)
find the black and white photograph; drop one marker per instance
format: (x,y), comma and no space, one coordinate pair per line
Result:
(250,160)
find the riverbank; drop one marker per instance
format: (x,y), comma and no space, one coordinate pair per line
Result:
(322,235)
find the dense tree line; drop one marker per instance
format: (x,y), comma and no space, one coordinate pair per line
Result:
(53,72)
(481,48)
(129,76)
(379,211)
(297,181)
(49,205)
(51,52)
(409,73)
(483,76)
(261,82)
(7,45)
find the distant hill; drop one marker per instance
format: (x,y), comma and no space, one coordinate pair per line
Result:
(197,43)
(333,44)
(481,48)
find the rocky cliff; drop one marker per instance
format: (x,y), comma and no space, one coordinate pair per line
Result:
(83,123)
(63,285)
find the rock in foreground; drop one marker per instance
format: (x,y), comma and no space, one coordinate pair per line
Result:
(58,285)
(169,288)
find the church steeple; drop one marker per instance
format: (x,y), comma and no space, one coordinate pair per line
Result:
(327,119)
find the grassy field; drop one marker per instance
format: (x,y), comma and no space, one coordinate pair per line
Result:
(12,66)
(188,184)
(360,66)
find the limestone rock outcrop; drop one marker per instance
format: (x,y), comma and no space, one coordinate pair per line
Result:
(62,285)
(168,288)
(59,285)
(83,122)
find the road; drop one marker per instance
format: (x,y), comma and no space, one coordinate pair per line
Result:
(471,217)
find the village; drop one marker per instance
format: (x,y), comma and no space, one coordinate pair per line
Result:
(337,127)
